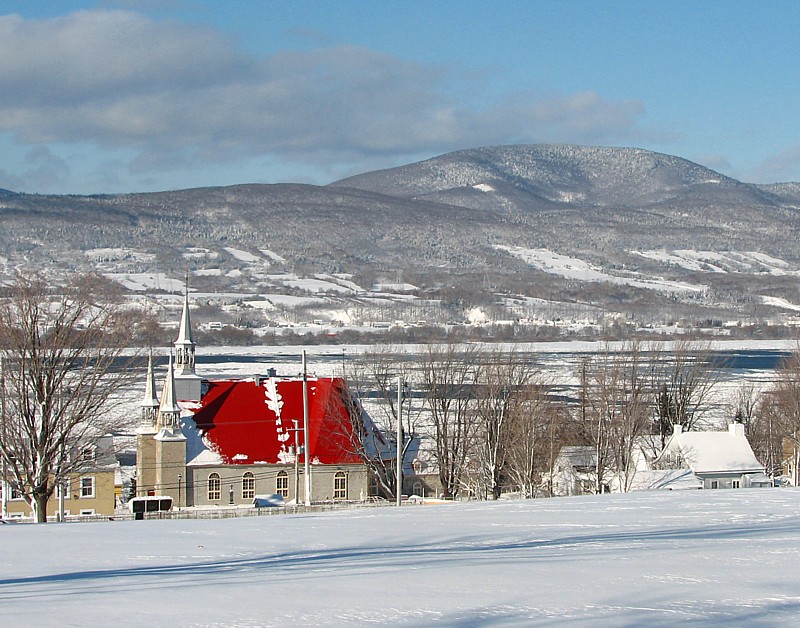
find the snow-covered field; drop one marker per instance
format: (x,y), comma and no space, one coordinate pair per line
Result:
(580,270)
(721,262)
(662,558)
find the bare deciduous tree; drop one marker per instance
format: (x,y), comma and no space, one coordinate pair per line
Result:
(766,433)
(780,412)
(448,385)
(502,381)
(615,411)
(683,381)
(744,408)
(537,429)
(375,375)
(64,358)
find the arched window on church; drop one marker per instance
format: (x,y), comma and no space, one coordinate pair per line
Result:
(248,485)
(282,484)
(340,485)
(214,487)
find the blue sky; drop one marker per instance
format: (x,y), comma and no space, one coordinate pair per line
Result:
(145,95)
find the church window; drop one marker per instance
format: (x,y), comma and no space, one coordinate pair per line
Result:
(214,487)
(340,485)
(248,486)
(282,484)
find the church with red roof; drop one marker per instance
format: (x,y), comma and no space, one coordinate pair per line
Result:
(226,442)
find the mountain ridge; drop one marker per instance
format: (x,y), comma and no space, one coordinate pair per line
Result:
(463,227)
(557,173)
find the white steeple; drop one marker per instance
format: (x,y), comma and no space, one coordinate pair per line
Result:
(150,401)
(184,344)
(169,412)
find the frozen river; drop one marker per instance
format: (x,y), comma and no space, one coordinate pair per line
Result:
(738,362)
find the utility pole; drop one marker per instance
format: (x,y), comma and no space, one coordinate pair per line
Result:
(399,461)
(306,452)
(297,449)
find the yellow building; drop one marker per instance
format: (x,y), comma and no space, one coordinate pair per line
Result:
(90,491)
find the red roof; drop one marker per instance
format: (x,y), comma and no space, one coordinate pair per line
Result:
(248,423)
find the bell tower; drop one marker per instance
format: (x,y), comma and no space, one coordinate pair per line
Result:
(145,445)
(170,444)
(187,384)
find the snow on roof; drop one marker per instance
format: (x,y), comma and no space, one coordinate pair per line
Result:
(707,452)
(251,421)
(672,479)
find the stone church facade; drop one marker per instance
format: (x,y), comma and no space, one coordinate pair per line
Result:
(223,442)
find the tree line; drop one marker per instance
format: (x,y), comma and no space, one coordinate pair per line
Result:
(486,421)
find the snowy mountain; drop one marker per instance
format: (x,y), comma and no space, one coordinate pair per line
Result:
(562,175)
(592,199)
(625,230)
(536,177)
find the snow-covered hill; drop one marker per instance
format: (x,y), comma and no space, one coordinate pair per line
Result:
(658,559)
(651,239)
(564,174)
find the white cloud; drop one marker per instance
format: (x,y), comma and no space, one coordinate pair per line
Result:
(177,95)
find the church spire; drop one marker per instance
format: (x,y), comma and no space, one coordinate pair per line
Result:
(169,412)
(184,344)
(150,401)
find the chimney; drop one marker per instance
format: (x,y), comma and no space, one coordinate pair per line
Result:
(736,429)
(677,428)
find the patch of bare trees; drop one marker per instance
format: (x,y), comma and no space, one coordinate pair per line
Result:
(484,420)
(683,380)
(775,428)
(64,353)
(448,380)
(615,411)
(373,435)
(488,421)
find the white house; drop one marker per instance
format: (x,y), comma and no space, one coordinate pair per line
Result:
(575,470)
(717,459)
